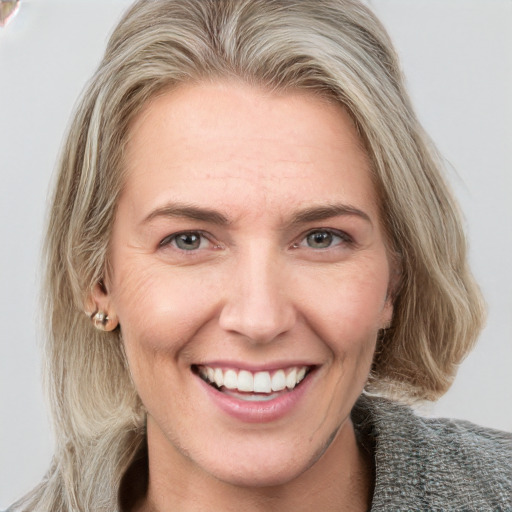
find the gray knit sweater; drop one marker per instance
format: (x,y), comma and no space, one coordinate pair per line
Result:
(434,465)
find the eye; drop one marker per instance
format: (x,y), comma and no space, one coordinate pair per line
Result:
(324,239)
(186,241)
(320,239)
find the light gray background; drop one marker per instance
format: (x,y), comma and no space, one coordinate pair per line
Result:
(457,56)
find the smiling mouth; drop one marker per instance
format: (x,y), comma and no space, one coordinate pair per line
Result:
(253,386)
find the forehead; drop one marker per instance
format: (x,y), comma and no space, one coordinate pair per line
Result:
(230,141)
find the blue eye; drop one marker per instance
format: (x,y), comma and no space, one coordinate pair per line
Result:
(186,241)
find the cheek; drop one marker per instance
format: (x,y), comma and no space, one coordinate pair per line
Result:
(349,306)
(159,308)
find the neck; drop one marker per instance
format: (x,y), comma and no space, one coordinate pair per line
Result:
(340,480)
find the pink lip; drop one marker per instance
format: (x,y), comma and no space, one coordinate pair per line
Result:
(258,412)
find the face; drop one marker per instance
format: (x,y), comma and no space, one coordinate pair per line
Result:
(249,276)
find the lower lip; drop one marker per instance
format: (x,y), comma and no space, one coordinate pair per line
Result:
(258,412)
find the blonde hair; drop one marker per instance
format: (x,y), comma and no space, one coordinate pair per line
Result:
(335,48)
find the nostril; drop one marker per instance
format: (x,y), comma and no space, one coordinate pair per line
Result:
(262,325)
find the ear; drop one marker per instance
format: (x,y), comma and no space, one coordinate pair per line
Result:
(387,313)
(394,285)
(99,308)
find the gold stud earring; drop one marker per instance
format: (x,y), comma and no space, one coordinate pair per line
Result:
(102,321)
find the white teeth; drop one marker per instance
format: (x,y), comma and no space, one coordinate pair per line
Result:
(259,382)
(279,380)
(245,381)
(219,377)
(262,382)
(291,379)
(231,379)
(253,397)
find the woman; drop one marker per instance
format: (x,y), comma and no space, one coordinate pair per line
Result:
(249,229)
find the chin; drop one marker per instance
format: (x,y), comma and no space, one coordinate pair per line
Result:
(268,465)
(261,475)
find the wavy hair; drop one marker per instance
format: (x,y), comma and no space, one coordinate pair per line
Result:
(334,48)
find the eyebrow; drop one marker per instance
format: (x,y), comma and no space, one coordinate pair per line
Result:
(310,214)
(188,211)
(323,212)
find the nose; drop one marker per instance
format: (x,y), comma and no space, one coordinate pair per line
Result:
(257,302)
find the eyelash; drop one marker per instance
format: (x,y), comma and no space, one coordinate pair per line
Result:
(168,240)
(345,239)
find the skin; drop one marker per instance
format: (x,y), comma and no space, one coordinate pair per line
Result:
(254,291)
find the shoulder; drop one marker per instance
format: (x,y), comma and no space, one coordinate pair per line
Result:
(435,464)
